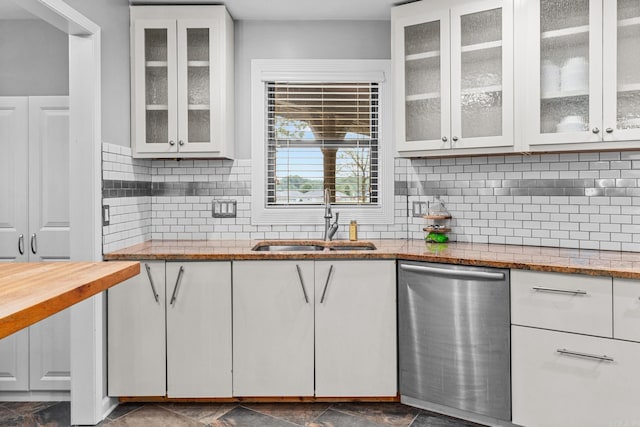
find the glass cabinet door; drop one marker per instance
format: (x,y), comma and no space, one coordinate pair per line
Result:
(423,43)
(567,78)
(197,100)
(154,85)
(621,72)
(482,75)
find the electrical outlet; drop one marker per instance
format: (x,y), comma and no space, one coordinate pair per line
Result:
(223,208)
(419,209)
(106,216)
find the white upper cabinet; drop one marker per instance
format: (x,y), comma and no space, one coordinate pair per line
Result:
(453,65)
(582,83)
(182,81)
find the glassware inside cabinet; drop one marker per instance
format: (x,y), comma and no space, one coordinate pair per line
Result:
(564,66)
(156,85)
(422,81)
(481,73)
(198,81)
(628,76)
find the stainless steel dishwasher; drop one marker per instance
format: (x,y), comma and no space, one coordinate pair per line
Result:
(454,339)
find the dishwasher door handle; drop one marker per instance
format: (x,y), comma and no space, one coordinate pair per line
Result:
(461,274)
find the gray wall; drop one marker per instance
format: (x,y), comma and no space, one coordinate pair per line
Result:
(113,18)
(298,40)
(34,59)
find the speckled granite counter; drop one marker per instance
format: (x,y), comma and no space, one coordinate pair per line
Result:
(582,261)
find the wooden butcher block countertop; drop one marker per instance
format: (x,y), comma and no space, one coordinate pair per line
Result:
(32,291)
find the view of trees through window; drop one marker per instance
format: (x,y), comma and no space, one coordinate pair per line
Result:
(303,164)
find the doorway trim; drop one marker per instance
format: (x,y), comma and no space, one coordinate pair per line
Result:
(89,401)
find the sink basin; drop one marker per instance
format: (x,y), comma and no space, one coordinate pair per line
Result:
(311,246)
(352,246)
(286,246)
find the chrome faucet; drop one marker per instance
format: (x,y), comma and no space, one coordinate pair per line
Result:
(329,229)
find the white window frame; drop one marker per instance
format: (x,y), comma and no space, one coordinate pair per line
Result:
(320,70)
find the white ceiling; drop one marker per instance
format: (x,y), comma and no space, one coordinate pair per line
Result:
(297,9)
(9,10)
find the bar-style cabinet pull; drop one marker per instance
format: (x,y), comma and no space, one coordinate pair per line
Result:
(566,352)
(34,243)
(174,295)
(560,291)
(326,284)
(304,291)
(153,288)
(21,244)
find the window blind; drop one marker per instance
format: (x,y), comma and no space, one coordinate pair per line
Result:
(319,136)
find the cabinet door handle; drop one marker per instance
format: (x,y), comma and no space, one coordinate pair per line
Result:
(174,295)
(566,352)
(326,284)
(595,130)
(304,291)
(609,130)
(34,243)
(560,291)
(153,288)
(21,244)
(454,139)
(181,142)
(444,139)
(172,142)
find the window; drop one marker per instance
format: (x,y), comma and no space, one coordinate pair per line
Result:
(316,125)
(322,136)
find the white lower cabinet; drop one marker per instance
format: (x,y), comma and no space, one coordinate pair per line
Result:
(569,380)
(332,323)
(273,328)
(626,310)
(356,350)
(171,337)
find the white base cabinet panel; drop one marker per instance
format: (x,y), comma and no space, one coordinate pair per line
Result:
(50,353)
(626,310)
(199,329)
(551,389)
(14,362)
(328,323)
(355,328)
(171,337)
(273,328)
(136,334)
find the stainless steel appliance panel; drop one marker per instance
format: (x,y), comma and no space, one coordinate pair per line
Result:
(454,336)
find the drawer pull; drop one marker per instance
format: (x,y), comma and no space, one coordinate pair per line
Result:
(560,291)
(566,352)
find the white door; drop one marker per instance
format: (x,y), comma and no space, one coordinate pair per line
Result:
(49,226)
(482,74)
(14,178)
(49,223)
(422,77)
(273,328)
(355,329)
(199,99)
(564,72)
(136,334)
(621,74)
(199,329)
(154,87)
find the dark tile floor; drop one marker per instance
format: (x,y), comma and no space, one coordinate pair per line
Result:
(56,414)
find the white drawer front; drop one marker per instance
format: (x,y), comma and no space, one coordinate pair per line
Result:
(551,389)
(565,302)
(626,309)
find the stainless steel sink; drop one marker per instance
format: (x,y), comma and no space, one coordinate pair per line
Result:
(311,246)
(290,246)
(352,248)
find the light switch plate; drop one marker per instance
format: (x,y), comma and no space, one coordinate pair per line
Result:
(223,208)
(106,215)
